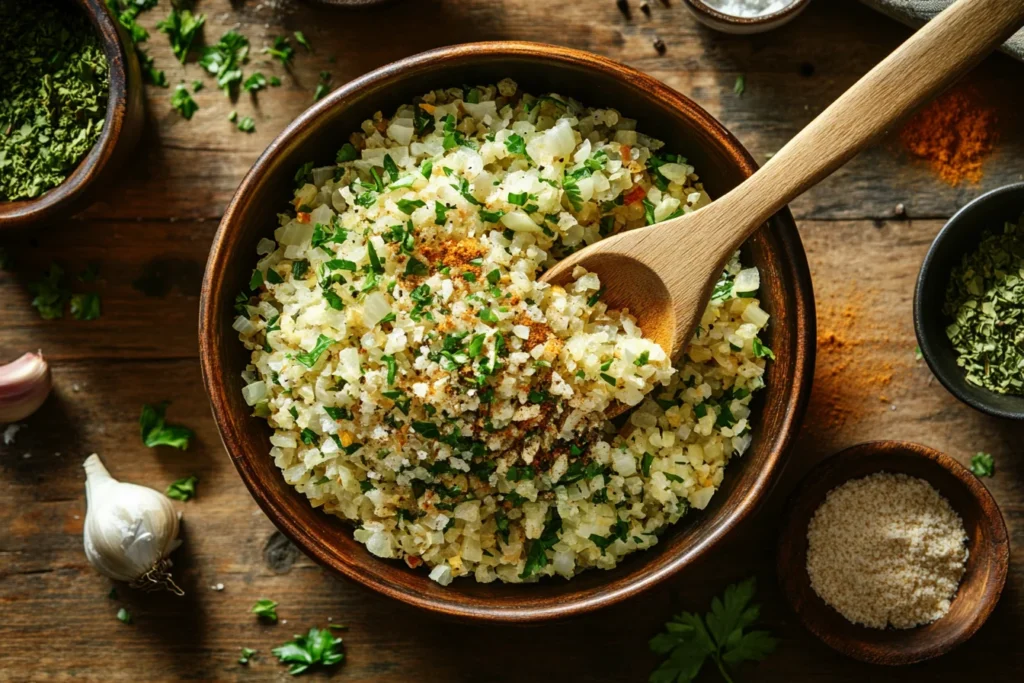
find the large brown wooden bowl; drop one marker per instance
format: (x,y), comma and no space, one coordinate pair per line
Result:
(686,128)
(121,131)
(988,548)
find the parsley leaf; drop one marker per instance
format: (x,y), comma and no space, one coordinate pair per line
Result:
(182,101)
(319,647)
(246,124)
(346,153)
(301,39)
(124,616)
(265,609)
(323,86)
(310,358)
(247,653)
(256,81)
(183,489)
(181,28)
(224,59)
(721,634)
(156,432)
(740,86)
(762,351)
(51,293)
(537,555)
(280,50)
(85,306)
(516,144)
(983,465)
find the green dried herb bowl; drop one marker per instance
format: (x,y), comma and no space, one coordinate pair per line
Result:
(960,236)
(121,131)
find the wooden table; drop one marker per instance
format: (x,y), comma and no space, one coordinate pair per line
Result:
(150,236)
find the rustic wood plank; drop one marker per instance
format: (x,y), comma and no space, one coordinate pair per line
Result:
(150,274)
(189,169)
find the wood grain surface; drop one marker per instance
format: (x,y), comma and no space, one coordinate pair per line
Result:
(150,233)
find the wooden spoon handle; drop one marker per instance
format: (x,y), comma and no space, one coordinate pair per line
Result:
(930,60)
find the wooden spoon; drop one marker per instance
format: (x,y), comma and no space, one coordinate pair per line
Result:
(664,274)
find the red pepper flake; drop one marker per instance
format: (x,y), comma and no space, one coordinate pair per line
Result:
(413,561)
(626,153)
(302,217)
(634,195)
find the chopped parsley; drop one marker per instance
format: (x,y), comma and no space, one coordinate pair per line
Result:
(318,648)
(156,431)
(281,50)
(983,465)
(310,358)
(265,609)
(183,489)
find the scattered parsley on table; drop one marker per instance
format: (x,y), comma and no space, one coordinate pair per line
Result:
(182,101)
(741,85)
(85,306)
(983,465)
(265,609)
(156,431)
(183,489)
(319,647)
(181,27)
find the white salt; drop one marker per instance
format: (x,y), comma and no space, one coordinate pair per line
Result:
(748,8)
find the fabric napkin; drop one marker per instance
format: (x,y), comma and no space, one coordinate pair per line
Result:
(917,12)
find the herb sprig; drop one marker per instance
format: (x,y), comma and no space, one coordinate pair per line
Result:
(318,648)
(722,635)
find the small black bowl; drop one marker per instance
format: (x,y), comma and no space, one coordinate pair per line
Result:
(960,236)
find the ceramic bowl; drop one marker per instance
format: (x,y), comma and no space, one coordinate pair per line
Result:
(121,131)
(315,135)
(960,236)
(987,563)
(729,23)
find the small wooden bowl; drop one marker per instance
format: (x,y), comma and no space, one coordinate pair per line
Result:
(121,131)
(728,23)
(662,112)
(987,562)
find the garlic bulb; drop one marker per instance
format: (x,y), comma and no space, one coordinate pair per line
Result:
(129,530)
(24,385)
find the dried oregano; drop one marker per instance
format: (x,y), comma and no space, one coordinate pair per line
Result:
(54,82)
(985,299)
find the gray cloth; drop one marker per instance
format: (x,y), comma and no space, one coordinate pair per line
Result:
(917,12)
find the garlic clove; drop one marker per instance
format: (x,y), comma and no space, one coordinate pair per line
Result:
(24,385)
(129,530)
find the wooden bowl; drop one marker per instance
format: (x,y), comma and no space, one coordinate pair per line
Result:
(987,563)
(729,23)
(121,131)
(961,236)
(662,112)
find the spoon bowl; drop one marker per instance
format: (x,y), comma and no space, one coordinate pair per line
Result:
(643,294)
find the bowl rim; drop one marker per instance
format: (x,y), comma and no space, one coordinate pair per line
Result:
(82,179)
(789,11)
(793,260)
(955,383)
(906,450)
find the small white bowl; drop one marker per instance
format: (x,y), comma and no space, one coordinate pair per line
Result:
(728,23)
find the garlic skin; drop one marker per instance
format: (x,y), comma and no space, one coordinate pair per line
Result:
(24,385)
(129,530)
